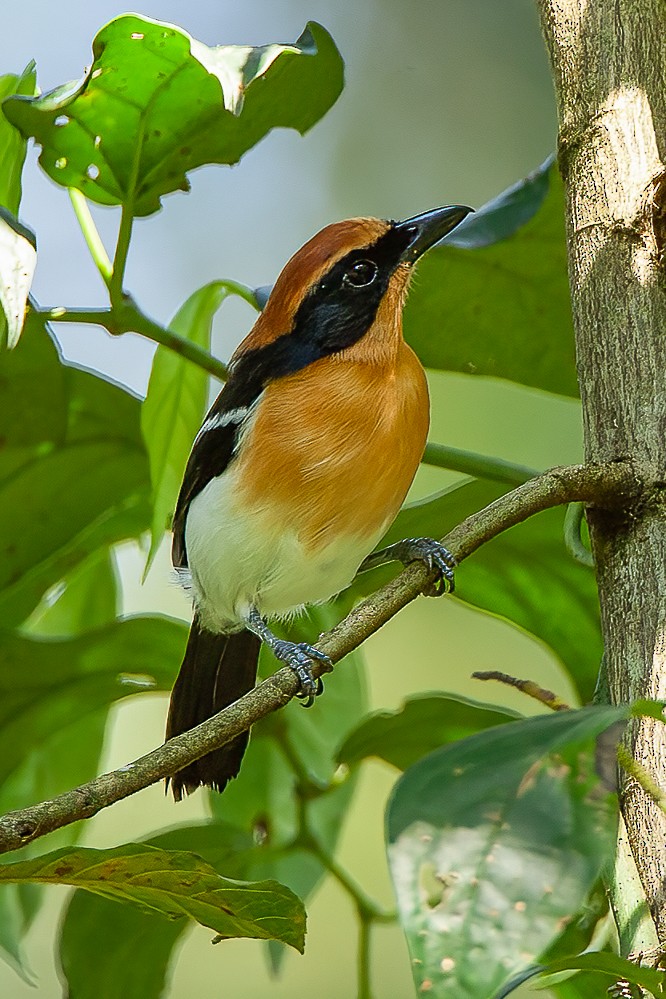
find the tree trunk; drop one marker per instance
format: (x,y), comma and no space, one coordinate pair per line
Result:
(609,67)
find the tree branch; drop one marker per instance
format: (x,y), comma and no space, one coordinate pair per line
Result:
(611,486)
(128,318)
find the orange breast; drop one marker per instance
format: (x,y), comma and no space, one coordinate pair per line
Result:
(334,447)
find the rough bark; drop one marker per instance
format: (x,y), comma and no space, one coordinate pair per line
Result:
(609,68)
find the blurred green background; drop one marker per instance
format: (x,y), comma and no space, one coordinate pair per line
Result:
(445,101)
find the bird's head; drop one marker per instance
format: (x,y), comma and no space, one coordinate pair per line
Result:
(347,280)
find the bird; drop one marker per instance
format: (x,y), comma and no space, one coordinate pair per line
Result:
(300,466)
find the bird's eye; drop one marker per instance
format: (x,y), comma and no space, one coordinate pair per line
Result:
(360,274)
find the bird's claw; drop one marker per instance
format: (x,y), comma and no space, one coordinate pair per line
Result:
(437,559)
(298,656)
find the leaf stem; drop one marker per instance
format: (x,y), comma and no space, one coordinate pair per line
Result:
(363,958)
(120,256)
(481,466)
(573,521)
(248,294)
(90,234)
(128,318)
(307,789)
(126,223)
(366,907)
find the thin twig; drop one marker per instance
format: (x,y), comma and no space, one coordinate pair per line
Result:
(529,687)
(129,319)
(612,485)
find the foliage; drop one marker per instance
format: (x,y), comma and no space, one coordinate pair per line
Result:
(497,830)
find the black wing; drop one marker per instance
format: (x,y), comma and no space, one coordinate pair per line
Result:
(212,452)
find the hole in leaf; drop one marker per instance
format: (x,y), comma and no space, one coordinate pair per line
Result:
(93,171)
(61,120)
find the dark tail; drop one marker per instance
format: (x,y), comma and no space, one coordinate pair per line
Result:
(216,671)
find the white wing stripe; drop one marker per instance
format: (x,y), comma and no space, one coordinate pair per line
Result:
(219,420)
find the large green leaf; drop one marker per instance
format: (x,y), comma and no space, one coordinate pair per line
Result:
(134,962)
(493,843)
(175,404)
(70,756)
(87,598)
(423,723)
(156,103)
(525,575)
(33,371)
(500,308)
(504,215)
(68,489)
(48,685)
(55,696)
(12,143)
(175,884)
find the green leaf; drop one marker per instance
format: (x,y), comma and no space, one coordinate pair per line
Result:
(18,257)
(492,843)
(604,964)
(43,535)
(501,309)
(175,405)
(524,575)
(87,598)
(423,723)
(14,924)
(134,961)
(175,884)
(69,495)
(68,755)
(156,103)
(12,143)
(54,699)
(504,215)
(584,985)
(48,685)
(615,966)
(32,371)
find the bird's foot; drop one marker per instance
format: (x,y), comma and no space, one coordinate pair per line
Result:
(299,656)
(435,557)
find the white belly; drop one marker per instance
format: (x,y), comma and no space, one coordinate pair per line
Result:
(242,557)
